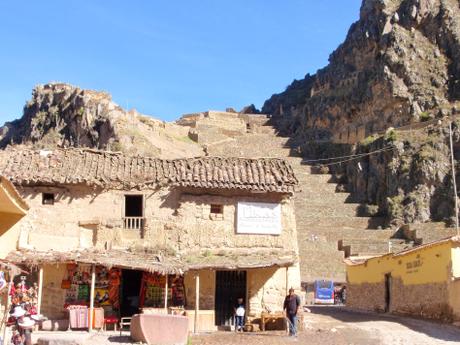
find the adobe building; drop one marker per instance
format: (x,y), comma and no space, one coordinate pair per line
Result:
(423,281)
(144,233)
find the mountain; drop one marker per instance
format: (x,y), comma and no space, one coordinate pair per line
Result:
(66,116)
(399,64)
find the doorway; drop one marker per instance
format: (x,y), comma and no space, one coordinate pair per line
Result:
(387,292)
(230,285)
(130,292)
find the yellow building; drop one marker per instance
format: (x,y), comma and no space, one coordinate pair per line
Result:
(422,281)
(12,209)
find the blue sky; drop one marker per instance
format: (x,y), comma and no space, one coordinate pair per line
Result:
(166,58)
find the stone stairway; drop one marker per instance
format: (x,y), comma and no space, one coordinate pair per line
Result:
(325,218)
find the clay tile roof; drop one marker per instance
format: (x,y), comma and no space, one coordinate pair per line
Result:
(112,170)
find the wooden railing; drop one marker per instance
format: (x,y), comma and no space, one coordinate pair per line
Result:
(133,223)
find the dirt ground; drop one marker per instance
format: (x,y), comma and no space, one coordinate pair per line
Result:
(327,326)
(338,326)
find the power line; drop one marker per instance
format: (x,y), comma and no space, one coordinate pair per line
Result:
(352,157)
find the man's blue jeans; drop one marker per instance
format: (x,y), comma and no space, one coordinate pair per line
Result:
(292,324)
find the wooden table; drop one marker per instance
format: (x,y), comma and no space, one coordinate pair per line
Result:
(266,317)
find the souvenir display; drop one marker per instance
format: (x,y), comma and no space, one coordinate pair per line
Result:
(101,296)
(23,312)
(114,287)
(153,290)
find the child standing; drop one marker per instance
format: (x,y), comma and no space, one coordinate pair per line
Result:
(239,315)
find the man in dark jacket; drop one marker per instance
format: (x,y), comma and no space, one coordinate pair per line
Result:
(291,307)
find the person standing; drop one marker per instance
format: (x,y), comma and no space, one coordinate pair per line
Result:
(291,307)
(239,315)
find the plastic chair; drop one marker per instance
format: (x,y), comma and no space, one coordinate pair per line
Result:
(124,321)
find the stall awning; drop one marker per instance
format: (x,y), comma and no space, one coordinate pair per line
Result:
(127,259)
(159,262)
(240,259)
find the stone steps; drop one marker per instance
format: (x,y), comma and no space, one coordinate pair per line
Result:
(323,215)
(347,234)
(352,222)
(320,260)
(353,247)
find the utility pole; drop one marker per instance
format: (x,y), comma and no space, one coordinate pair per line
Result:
(453,176)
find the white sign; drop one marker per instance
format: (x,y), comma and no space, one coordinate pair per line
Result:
(258,218)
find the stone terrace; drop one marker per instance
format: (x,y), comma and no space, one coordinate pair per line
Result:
(323,215)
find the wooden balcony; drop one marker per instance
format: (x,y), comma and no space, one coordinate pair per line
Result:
(133,223)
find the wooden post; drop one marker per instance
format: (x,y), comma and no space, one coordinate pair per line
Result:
(7,307)
(166,294)
(40,290)
(197,302)
(91,298)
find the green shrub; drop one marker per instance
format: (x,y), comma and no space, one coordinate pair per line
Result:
(425,116)
(391,135)
(369,140)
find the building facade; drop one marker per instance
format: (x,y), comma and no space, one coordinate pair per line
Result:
(220,227)
(423,282)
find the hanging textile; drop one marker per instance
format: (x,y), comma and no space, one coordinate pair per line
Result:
(78,316)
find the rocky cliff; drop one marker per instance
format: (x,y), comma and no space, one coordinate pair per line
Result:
(400,63)
(64,115)
(399,66)
(411,180)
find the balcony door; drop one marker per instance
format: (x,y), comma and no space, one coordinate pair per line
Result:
(134,211)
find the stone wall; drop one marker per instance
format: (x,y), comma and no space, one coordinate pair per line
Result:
(366,296)
(175,219)
(421,300)
(267,288)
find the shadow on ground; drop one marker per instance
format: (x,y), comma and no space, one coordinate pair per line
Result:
(120,339)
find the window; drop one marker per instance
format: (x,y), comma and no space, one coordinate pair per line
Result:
(134,212)
(47,198)
(217,209)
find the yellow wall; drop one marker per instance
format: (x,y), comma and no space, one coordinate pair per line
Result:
(456,261)
(9,235)
(12,209)
(454,288)
(424,266)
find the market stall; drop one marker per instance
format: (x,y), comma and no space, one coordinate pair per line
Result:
(95,286)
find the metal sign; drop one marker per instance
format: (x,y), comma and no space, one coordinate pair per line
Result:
(259,218)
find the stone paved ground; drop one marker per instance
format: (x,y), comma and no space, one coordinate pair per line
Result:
(329,326)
